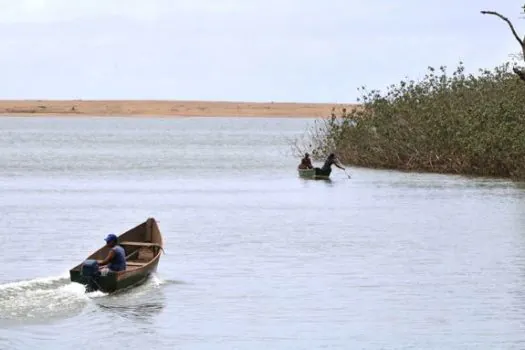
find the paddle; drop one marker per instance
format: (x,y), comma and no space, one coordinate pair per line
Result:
(344,169)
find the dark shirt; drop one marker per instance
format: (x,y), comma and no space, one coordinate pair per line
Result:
(328,164)
(118,263)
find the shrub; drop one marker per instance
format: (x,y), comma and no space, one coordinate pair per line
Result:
(447,123)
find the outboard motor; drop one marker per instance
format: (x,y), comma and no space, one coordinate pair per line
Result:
(91,274)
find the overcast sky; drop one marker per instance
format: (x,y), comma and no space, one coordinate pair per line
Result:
(255,50)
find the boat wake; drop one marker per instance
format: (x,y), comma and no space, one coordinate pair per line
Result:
(40,299)
(43,300)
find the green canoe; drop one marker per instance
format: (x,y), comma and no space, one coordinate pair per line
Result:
(312,174)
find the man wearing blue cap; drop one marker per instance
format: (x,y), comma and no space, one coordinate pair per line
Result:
(116,259)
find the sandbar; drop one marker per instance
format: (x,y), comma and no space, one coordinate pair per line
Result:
(168,108)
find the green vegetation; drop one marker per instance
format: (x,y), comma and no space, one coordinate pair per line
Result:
(446,123)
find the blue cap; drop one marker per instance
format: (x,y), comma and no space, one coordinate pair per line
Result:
(110,237)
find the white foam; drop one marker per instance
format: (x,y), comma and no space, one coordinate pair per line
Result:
(41,298)
(156,280)
(52,296)
(33,282)
(95,294)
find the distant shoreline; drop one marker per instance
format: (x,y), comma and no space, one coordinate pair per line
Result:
(167,108)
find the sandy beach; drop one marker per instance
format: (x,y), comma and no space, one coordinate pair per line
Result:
(174,108)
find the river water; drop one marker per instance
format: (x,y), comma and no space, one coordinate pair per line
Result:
(256,258)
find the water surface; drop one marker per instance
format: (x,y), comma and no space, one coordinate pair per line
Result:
(256,258)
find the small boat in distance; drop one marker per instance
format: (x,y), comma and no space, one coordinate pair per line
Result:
(307,171)
(142,244)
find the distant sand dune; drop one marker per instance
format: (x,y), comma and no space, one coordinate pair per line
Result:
(167,108)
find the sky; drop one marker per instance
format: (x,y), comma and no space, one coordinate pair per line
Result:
(241,50)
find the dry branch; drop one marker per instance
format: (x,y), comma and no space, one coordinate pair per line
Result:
(494,13)
(519,72)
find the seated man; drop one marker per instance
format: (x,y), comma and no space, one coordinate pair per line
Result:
(306,163)
(327,167)
(116,259)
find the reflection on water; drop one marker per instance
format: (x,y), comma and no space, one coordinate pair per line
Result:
(308,182)
(140,312)
(140,303)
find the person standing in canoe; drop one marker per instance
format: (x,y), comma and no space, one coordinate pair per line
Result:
(116,259)
(327,166)
(306,163)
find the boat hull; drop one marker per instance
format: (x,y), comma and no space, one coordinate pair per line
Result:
(112,282)
(142,244)
(312,174)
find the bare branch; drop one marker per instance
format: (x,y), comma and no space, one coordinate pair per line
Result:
(519,73)
(508,22)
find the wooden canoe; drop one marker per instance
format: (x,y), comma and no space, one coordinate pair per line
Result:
(143,245)
(311,174)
